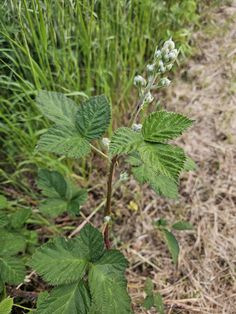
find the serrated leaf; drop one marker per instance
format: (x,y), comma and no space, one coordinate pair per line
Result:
(63,141)
(108,286)
(53,207)
(93,117)
(3,202)
(11,243)
(124,141)
(172,245)
(182,225)
(79,199)
(158,301)
(166,159)
(163,125)
(189,164)
(19,218)
(57,108)
(52,183)
(6,306)
(59,263)
(4,220)
(67,299)
(12,270)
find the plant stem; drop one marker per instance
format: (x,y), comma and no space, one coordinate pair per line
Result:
(99,152)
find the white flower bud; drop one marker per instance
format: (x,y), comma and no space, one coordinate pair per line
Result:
(124,176)
(169,67)
(148,98)
(136,127)
(106,141)
(157,54)
(161,66)
(151,68)
(107,219)
(169,44)
(173,54)
(139,81)
(165,82)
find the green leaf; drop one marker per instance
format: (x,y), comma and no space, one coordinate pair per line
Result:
(3,219)
(158,301)
(162,126)
(67,299)
(52,183)
(108,286)
(166,159)
(53,207)
(148,302)
(57,108)
(6,306)
(182,225)
(79,199)
(60,261)
(3,202)
(12,270)
(124,141)
(11,243)
(148,288)
(189,164)
(63,141)
(19,218)
(160,223)
(93,117)
(172,245)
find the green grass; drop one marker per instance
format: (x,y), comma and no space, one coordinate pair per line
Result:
(80,48)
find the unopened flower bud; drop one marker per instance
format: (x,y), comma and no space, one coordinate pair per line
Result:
(173,54)
(157,54)
(107,219)
(124,176)
(148,98)
(151,68)
(136,127)
(169,67)
(139,81)
(165,82)
(106,141)
(169,44)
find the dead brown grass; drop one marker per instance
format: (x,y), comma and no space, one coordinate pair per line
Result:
(205,280)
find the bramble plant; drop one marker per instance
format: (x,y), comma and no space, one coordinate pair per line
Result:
(89,276)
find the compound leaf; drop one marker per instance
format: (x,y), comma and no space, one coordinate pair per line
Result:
(58,263)
(57,108)
(52,183)
(163,125)
(79,199)
(12,270)
(167,160)
(6,306)
(124,141)
(108,286)
(93,117)
(67,299)
(172,245)
(19,218)
(63,141)
(53,207)
(189,164)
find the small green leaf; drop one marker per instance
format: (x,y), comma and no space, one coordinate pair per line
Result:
(148,302)
(4,220)
(19,218)
(93,117)
(182,225)
(161,223)
(52,183)
(158,301)
(57,108)
(162,126)
(163,158)
(12,270)
(63,141)
(53,207)
(6,306)
(79,199)
(172,244)
(124,141)
(11,243)
(148,288)
(66,299)
(3,202)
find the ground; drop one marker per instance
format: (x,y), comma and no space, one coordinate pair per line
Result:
(205,279)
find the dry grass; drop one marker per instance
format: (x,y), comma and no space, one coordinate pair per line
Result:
(205,279)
